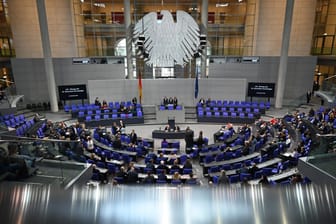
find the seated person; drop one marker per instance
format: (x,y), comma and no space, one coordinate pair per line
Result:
(25,164)
(175,165)
(208,102)
(223,178)
(202,102)
(175,102)
(150,165)
(149,179)
(122,173)
(165,101)
(167,128)
(132,176)
(8,171)
(253,170)
(162,166)
(187,164)
(192,179)
(134,101)
(104,105)
(162,176)
(102,176)
(170,101)
(117,142)
(176,176)
(97,102)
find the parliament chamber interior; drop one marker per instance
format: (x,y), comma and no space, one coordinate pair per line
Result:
(148,111)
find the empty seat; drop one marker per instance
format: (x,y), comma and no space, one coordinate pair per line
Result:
(234,179)
(81,114)
(139,113)
(245,176)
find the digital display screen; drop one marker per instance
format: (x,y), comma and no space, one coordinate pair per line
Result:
(72,92)
(257,89)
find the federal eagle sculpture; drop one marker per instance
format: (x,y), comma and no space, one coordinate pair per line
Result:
(168,42)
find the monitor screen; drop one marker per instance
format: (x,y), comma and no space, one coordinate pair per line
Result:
(257,89)
(72,92)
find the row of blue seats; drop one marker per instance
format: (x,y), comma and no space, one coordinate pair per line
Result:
(111,105)
(111,116)
(10,116)
(226,114)
(14,121)
(226,103)
(99,112)
(170,107)
(22,130)
(229,109)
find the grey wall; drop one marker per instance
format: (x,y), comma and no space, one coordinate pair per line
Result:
(154,90)
(29,75)
(30,80)
(300,73)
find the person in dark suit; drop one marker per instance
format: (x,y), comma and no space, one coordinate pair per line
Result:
(253,170)
(134,101)
(150,165)
(132,176)
(97,102)
(308,96)
(223,178)
(165,101)
(162,176)
(170,101)
(189,138)
(117,142)
(162,166)
(175,102)
(134,138)
(200,140)
(149,179)
(187,164)
(175,165)
(122,173)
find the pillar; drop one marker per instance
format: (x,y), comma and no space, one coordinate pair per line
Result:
(128,28)
(204,30)
(48,63)
(282,73)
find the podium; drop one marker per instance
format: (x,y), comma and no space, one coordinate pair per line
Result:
(171,123)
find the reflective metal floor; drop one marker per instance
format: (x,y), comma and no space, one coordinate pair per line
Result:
(41,204)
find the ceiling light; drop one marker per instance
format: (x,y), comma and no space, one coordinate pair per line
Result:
(222,4)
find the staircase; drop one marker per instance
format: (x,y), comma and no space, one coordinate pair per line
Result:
(190,114)
(149,114)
